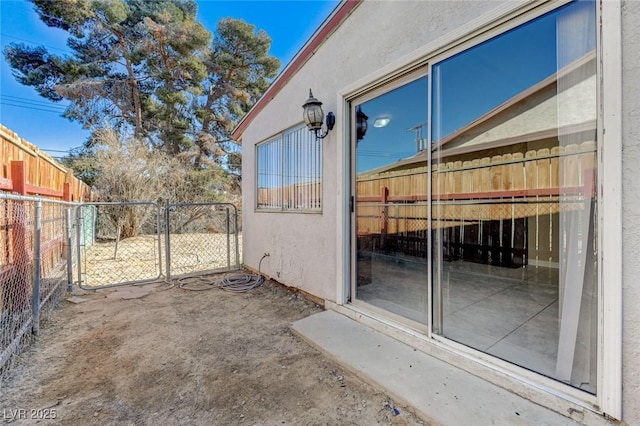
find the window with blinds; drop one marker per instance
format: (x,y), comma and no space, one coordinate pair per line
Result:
(289,172)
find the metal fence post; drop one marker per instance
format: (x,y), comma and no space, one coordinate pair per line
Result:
(159,219)
(167,242)
(35,329)
(235,210)
(79,237)
(228,240)
(69,225)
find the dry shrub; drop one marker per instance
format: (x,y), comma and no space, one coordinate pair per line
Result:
(129,169)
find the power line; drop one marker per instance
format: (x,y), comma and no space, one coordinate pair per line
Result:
(21,102)
(32,101)
(35,42)
(32,107)
(55,150)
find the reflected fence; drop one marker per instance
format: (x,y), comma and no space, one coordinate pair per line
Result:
(503,210)
(47,247)
(507,232)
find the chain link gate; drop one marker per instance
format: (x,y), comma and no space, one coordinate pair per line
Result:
(126,243)
(118,244)
(201,238)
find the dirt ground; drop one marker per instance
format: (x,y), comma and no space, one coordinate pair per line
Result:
(184,357)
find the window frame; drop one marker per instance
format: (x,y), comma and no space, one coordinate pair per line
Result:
(281,139)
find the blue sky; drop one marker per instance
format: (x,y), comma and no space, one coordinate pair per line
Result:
(288,23)
(405,108)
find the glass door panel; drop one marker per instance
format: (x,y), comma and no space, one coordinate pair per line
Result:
(513,199)
(390,211)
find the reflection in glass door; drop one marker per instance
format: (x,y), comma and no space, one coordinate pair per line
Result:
(390,208)
(513,200)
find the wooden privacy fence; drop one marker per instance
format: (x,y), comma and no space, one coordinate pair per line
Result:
(479,189)
(26,170)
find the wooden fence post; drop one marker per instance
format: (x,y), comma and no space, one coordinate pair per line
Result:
(384,215)
(19,275)
(19,177)
(66,191)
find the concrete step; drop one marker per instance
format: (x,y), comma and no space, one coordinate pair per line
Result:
(439,392)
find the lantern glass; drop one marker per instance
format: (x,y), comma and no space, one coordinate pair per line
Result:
(361,123)
(312,113)
(313,116)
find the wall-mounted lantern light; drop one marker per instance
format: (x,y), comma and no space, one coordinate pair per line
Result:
(314,116)
(361,123)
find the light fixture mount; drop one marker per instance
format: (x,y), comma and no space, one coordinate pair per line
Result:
(361,123)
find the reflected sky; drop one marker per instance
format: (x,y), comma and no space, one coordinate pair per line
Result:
(475,81)
(404,107)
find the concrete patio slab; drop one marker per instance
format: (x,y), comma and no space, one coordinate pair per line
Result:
(439,392)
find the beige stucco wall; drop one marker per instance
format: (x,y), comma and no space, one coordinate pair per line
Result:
(302,247)
(631,212)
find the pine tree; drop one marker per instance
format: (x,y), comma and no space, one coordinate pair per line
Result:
(150,69)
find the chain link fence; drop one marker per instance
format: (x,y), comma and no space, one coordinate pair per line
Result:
(140,242)
(202,238)
(35,271)
(48,246)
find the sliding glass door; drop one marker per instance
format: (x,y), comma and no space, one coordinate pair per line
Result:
(514,206)
(390,201)
(500,174)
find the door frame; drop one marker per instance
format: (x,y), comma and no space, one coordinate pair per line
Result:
(608,398)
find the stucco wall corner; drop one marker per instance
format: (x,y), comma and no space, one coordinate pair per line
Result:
(631,211)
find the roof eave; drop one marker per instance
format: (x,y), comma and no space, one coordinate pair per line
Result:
(333,21)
